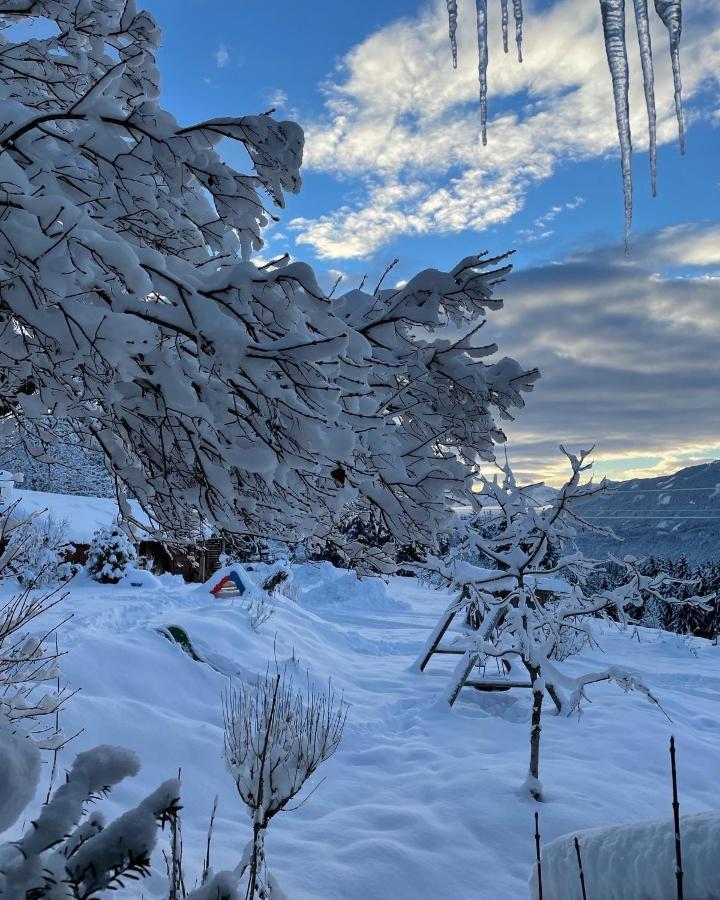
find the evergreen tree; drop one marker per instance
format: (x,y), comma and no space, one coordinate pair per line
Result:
(111,555)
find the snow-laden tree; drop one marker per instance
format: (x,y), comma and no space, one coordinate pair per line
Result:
(110,555)
(131,307)
(64,467)
(613,21)
(523,619)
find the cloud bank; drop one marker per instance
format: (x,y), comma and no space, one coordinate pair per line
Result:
(629,355)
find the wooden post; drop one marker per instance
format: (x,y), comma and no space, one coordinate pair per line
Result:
(460,675)
(437,635)
(537,856)
(580,867)
(676,817)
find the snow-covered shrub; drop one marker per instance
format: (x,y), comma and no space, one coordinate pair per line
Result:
(28,664)
(275,738)
(30,692)
(259,609)
(110,555)
(42,554)
(274,581)
(69,853)
(627,862)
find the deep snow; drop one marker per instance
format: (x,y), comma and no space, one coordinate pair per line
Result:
(420,802)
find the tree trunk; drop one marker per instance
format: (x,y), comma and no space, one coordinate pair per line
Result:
(257,861)
(535,730)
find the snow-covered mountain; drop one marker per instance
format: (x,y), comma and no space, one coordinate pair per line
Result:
(667,516)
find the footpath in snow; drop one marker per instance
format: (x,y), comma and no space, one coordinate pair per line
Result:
(420,802)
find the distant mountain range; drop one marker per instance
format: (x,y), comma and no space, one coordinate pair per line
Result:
(669,516)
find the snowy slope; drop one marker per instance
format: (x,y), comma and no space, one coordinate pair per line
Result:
(84,515)
(666,516)
(419,803)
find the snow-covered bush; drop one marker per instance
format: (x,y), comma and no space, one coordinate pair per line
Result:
(627,862)
(30,692)
(275,738)
(43,549)
(68,853)
(110,556)
(259,609)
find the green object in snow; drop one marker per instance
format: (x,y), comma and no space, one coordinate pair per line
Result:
(179,636)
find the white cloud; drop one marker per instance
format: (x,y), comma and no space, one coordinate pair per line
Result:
(539,229)
(691,249)
(278,98)
(404,123)
(222,56)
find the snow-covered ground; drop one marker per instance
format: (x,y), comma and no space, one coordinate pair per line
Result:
(83,515)
(420,802)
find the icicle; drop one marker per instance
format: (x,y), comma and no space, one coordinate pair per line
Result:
(518,14)
(452,21)
(613,20)
(481,7)
(643,30)
(670,11)
(504,15)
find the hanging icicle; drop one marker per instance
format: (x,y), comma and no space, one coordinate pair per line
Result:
(643,29)
(613,21)
(452,24)
(481,9)
(518,15)
(670,11)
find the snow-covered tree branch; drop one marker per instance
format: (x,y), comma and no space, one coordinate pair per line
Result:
(216,388)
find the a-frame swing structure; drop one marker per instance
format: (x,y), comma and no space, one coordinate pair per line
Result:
(470,659)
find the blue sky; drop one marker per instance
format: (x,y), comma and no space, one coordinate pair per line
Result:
(394,168)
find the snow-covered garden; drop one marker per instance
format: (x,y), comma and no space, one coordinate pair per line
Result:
(419,800)
(404,680)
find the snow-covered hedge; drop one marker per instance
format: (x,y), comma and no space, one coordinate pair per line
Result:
(629,862)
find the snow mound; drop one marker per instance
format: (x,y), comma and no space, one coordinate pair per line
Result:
(322,586)
(626,862)
(139,578)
